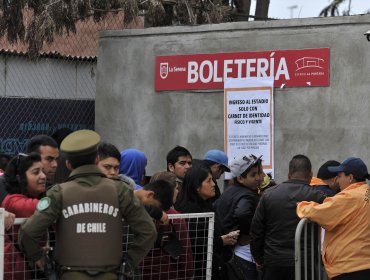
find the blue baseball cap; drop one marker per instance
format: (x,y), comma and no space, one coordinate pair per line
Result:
(217,156)
(352,165)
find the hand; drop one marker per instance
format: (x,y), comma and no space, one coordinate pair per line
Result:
(259,266)
(164,220)
(234,233)
(231,238)
(46,249)
(9,220)
(228,240)
(41,263)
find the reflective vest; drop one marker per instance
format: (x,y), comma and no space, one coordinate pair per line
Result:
(89,231)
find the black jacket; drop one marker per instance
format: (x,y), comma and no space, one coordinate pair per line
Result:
(275,221)
(198,233)
(3,191)
(236,208)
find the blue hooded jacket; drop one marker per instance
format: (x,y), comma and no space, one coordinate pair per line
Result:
(133,163)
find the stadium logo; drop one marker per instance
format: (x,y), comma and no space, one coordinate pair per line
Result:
(309,62)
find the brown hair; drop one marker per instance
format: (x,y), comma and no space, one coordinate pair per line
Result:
(165,175)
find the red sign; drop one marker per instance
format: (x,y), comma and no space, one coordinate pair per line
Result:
(291,68)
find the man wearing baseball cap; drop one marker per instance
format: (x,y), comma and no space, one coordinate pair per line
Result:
(217,162)
(346,220)
(236,207)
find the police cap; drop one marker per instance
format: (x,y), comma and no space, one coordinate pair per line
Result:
(80,142)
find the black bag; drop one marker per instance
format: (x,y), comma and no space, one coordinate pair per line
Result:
(169,243)
(51,270)
(234,269)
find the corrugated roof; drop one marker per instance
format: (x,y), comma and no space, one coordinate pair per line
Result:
(55,54)
(82,45)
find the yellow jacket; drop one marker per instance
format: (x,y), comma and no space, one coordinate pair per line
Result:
(346,220)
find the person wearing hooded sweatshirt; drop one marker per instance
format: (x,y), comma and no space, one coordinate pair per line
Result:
(133,163)
(325,180)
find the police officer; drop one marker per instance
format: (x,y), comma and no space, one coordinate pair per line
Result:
(88,210)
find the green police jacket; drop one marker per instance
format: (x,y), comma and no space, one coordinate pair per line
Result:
(86,209)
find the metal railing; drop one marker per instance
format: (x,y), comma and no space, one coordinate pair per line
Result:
(309,252)
(157,262)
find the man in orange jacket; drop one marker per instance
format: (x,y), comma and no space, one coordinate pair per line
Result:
(346,220)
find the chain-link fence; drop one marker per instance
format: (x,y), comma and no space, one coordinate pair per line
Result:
(54,91)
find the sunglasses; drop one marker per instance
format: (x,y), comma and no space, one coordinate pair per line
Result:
(19,156)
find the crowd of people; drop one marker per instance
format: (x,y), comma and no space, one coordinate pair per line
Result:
(85,190)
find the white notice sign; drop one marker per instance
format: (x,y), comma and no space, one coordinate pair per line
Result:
(249,119)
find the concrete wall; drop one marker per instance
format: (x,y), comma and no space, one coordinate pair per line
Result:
(321,122)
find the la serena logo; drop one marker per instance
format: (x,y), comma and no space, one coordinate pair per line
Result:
(163,70)
(209,71)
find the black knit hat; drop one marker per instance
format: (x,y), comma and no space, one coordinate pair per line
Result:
(324,173)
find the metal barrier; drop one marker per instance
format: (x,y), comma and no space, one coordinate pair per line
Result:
(2,238)
(158,264)
(312,267)
(2,230)
(196,258)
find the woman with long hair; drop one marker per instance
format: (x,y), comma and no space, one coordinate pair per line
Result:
(195,197)
(25,184)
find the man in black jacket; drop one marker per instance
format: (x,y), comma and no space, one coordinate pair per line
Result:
(275,221)
(236,207)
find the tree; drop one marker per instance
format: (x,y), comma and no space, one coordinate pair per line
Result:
(262,8)
(333,9)
(242,9)
(38,21)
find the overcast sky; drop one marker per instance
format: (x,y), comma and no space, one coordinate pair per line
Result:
(310,8)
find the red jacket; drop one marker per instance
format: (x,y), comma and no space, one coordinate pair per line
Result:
(15,266)
(158,265)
